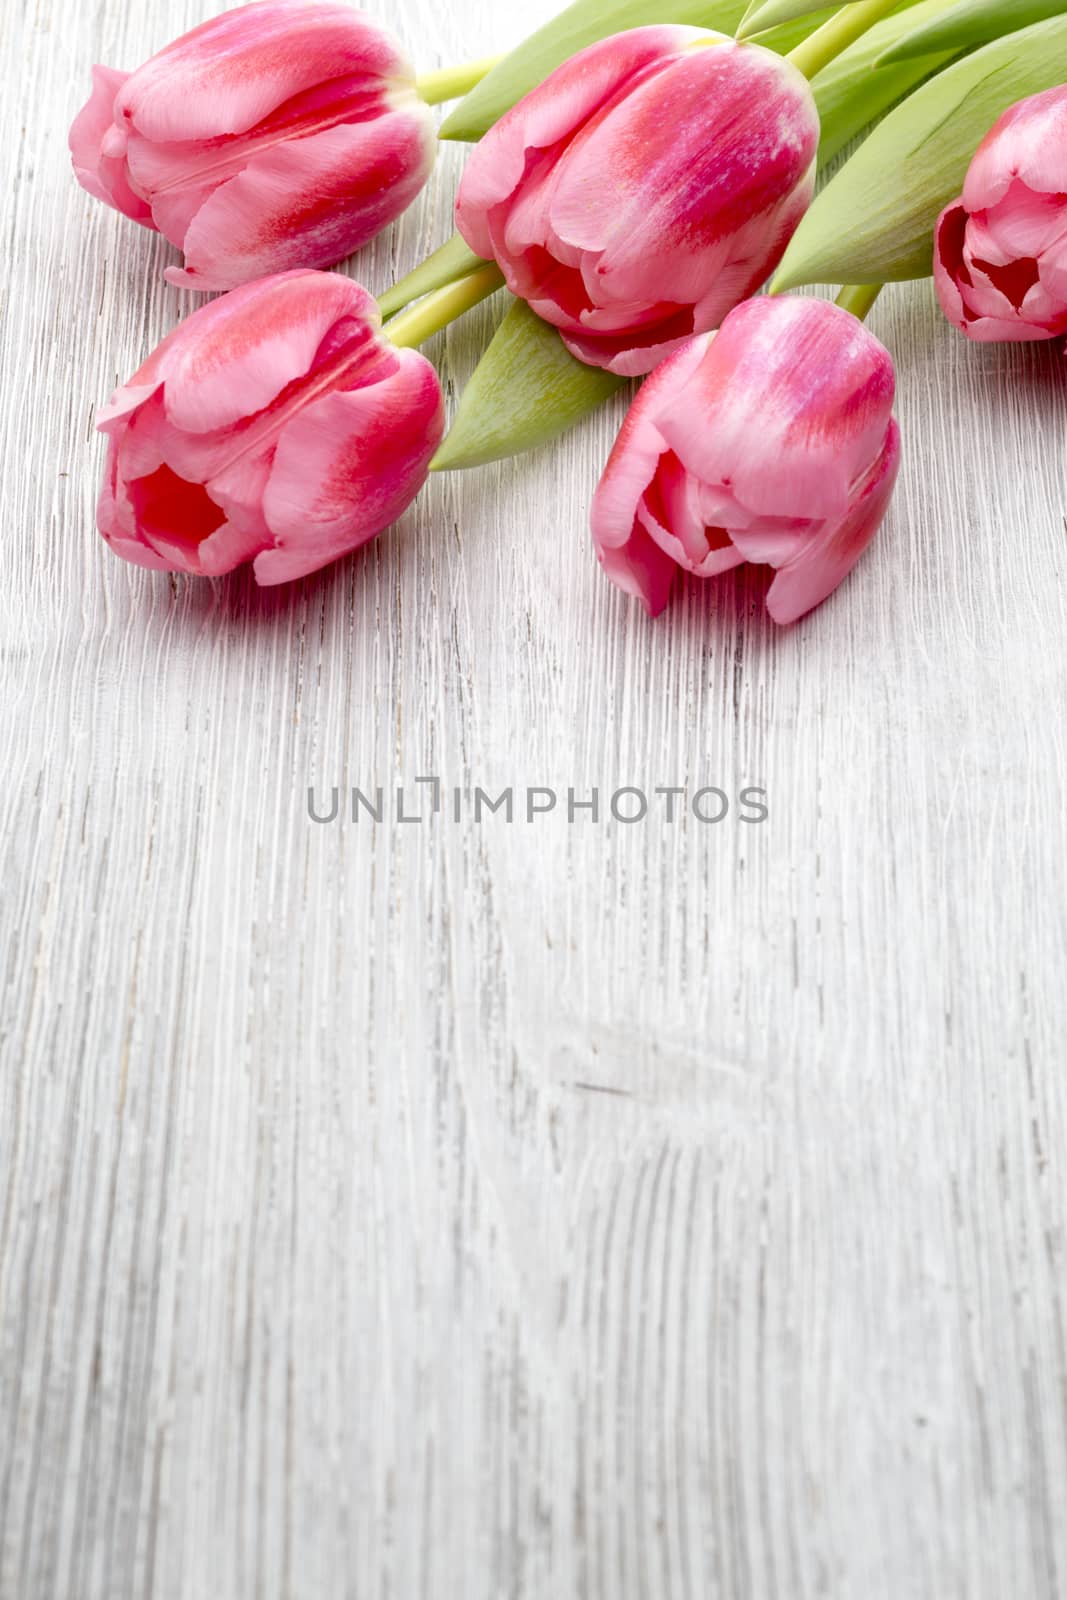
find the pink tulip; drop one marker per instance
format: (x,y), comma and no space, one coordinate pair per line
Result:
(648,185)
(1000,250)
(283,134)
(275,425)
(770,441)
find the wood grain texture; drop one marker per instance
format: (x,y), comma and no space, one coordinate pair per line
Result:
(534,1211)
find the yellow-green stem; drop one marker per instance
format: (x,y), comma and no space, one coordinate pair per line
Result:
(449,83)
(453,260)
(437,310)
(858,298)
(835,35)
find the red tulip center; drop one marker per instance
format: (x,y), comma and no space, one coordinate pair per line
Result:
(1015,280)
(166,504)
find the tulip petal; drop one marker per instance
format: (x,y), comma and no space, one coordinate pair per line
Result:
(631,558)
(949,236)
(234,70)
(632,463)
(115,520)
(549,115)
(658,200)
(104,176)
(308,201)
(788,410)
(347,466)
(1024,223)
(630,355)
(826,560)
(641,569)
(261,319)
(238,353)
(1027,144)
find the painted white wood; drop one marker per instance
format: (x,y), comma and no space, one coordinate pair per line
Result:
(533,1210)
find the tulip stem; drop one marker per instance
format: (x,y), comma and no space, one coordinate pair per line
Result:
(858,298)
(453,260)
(449,83)
(835,35)
(415,325)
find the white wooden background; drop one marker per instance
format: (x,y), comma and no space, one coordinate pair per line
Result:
(556,1211)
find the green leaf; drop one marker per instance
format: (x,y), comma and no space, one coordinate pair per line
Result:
(789,34)
(582,23)
(850,95)
(526,390)
(874,220)
(773,13)
(969,23)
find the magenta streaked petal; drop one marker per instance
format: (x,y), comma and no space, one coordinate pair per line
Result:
(827,559)
(788,409)
(347,466)
(1024,223)
(115,516)
(230,546)
(308,201)
(233,71)
(657,200)
(254,341)
(549,115)
(1052,278)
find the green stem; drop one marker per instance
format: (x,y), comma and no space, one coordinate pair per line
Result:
(437,310)
(820,47)
(453,260)
(449,83)
(858,298)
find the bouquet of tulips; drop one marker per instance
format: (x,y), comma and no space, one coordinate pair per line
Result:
(639,172)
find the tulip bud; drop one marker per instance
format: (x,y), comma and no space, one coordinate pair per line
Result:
(646,187)
(282,134)
(275,425)
(770,441)
(1000,260)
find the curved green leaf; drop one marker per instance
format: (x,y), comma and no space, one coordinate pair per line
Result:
(772,14)
(970,23)
(526,390)
(874,220)
(850,95)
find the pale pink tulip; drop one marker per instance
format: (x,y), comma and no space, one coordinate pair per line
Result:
(283,134)
(275,425)
(648,185)
(770,441)
(1000,250)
